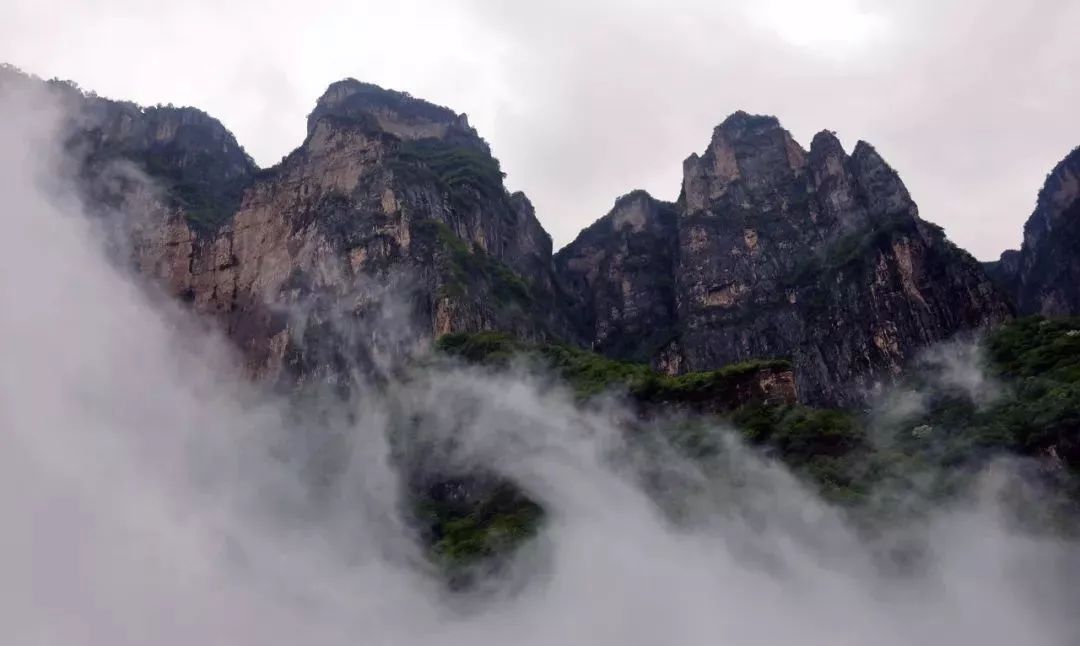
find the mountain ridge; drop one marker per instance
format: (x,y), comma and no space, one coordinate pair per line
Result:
(771,251)
(780,288)
(1042,275)
(762,228)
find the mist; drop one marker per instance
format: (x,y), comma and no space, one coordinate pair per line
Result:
(152,495)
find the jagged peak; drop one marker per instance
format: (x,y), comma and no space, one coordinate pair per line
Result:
(866,156)
(521,203)
(864,149)
(352,98)
(632,196)
(637,211)
(141,126)
(826,142)
(520,196)
(741,127)
(71,89)
(1069,166)
(350,87)
(739,124)
(625,214)
(741,120)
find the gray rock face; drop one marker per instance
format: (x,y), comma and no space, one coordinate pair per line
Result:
(618,273)
(1044,273)
(771,252)
(815,256)
(388,199)
(195,163)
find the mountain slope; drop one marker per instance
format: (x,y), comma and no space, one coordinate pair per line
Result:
(618,272)
(1043,274)
(817,256)
(390,207)
(772,251)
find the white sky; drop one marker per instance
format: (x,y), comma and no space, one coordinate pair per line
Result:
(973,101)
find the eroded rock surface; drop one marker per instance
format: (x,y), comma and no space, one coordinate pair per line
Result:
(391,208)
(1044,273)
(817,256)
(771,251)
(618,272)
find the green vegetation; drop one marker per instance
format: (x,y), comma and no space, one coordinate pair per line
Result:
(585,372)
(464,171)
(1034,411)
(1037,412)
(699,386)
(462,535)
(851,252)
(875,468)
(193,173)
(590,374)
(830,448)
(207,202)
(464,267)
(1035,363)
(367,97)
(1038,362)
(467,537)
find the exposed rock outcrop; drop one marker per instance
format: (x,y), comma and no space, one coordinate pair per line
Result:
(772,251)
(1044,273)
(618,272)
(389,198)
(817,256)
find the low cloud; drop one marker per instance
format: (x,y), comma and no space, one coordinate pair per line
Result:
(152,495)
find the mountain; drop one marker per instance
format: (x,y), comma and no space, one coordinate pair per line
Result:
(775,251)
(619,274)
(780,278)
(388,196)
(771,251)
(1043,274)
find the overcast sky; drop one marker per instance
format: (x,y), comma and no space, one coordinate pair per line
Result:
(973,101)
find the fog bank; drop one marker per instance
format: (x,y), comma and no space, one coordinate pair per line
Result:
(154,496)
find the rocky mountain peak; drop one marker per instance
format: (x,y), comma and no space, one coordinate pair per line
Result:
(741,124)
(388,199)
(188,156)
(161,139)
(747,156)
(391,111)
(638,211)
(775,252)
(1060,191)
(772,252)
(885,191)
(618,274)
(1042,276)
(826,144)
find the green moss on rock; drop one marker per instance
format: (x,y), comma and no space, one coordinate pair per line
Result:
(467,270)
(590,374)
(467,173)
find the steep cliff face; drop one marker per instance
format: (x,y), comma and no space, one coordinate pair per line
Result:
(817,256)
(1043,275)
(389,198)
(196,165)
(772,251)
(195,161)
(618,272)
